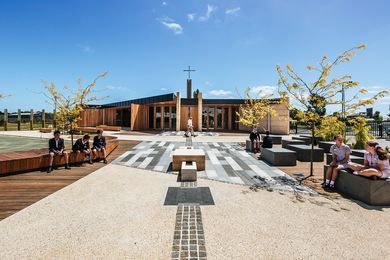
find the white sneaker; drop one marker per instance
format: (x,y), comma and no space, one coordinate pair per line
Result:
(356,173)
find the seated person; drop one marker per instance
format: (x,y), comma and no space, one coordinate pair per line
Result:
(341,158)
(376,162)
(255,140)
(267,141)
(99,145)
(82,146)
(57,148)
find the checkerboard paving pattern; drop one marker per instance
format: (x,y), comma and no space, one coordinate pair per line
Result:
(226,162)
(181,133)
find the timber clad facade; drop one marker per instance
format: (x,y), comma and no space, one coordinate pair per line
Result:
(171,112)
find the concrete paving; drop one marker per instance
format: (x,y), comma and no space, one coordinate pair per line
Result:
(117,212)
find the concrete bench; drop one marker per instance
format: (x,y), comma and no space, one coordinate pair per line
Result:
(303,153)
(369,191)
(286,143)
(248,145)
(279,156)
(359,153)
(188,171)
(355,159)
(45,130)
(276,139)
(306,140)
(325,145)
(193,155)
(316,138)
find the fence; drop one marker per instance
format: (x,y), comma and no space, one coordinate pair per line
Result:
(26,120)
(377,129)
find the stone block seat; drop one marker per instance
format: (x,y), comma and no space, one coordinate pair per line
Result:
(192,155)
(188,171)
(36,159)
(316,138)
(276,139)
(303,139)
(367,190)
(286,143)
(359,153)
(325,145)
(355,159)
(279,156)
(303,153)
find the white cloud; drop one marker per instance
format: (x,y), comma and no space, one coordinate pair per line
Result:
(171,25)
(261,91)
(210,9)
(220,92)
(208,83)
(110,87)
(191,17)
(164,3)
(163,89)
(85,48)
(232,11)
(375,89)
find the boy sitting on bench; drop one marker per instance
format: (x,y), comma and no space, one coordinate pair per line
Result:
(57,148)
(99,145)
(82,146)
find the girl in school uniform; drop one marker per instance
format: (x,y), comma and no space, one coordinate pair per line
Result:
(376,162)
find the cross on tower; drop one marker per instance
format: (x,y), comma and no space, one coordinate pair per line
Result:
(189,72)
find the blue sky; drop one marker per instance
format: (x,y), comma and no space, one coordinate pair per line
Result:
(145,45)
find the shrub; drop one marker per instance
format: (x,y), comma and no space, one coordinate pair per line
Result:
(330,126)
(360,129)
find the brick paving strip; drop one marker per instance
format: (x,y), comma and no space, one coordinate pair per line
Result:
(188,239)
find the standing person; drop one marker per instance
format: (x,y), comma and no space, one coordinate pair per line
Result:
(255,140)
(99,145)
(190,127)
(82,146)
(376,162)
(341,159)
(57,148)
(267,140)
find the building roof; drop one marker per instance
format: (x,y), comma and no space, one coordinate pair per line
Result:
(143,101)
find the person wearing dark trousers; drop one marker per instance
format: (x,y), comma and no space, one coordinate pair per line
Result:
(99,145)
(82,146)
(57,148)
(267,140)
(255,140)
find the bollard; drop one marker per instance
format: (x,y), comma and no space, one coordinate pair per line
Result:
(5,119)
(43,118)
(31,119)
(19,119)
(54,120)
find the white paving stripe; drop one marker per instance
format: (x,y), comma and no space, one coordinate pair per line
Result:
(260,172)
(152,143)
(137,156)
(236,180)
(216,144)
(158,168)
(145,163)
(244,154)
(170,147)
(141,147)
(161,144)
(213,158)
(233,164)
(122,156)
(217,153)
(212,174)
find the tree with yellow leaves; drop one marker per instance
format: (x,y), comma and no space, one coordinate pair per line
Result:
(323,91)
(255,108)
(69,103)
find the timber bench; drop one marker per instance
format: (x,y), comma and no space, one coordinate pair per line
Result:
(303,153)
(359,153)
(109,128)
(279,156)
(193,155)
(286,143)
(367,190)
(45,130)
(36,159)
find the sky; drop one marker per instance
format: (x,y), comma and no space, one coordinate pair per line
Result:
(145,45)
